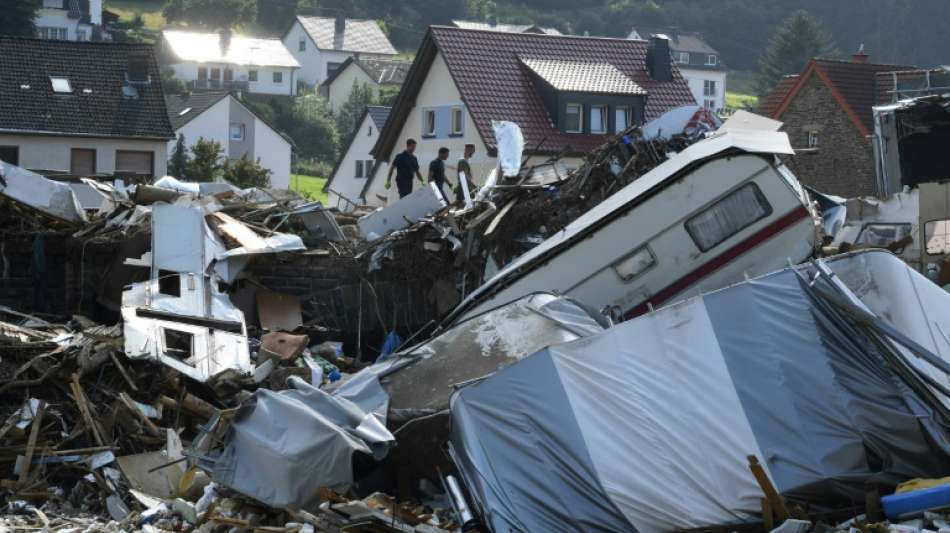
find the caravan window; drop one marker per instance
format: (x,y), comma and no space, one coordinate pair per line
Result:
(635,264)
(729,215)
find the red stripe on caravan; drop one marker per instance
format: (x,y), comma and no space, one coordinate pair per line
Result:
(766,233)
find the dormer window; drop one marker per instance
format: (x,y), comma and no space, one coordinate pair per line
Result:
(621,118)
(574,118)
(598,119)
(712,60)
(61,85)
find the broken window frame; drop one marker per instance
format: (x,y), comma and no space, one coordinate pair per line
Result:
(632,273)
(928,235)
(580,118)
(705,244)
(600,111)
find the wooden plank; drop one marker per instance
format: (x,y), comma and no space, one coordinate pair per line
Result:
(775,500)
(150,426)
(80,398)
(37,424)
(235,229)
(125,375)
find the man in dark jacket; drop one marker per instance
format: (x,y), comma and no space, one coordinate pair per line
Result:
(437,171)
(405,165)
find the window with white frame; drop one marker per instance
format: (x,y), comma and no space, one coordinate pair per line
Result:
(733,213)
(278,77)
(813,139)
(709,87)
(359,168)
(301,45)
(709,104)
(711,60)
(574,118)
(598,119)
(621,118)
(457,120)
(684,58)
(56,34)
(428,123)
(237,131)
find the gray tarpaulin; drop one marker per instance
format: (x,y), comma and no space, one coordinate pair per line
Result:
(283,446)
(647,425)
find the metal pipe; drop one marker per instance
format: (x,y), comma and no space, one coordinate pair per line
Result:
(466,518)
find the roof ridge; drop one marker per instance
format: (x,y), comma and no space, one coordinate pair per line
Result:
(851,62)
(299,16)
(531,35)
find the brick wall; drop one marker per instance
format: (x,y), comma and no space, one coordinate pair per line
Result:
(843,163)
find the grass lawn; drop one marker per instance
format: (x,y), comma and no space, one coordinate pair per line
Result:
(740,101)
(151,11)
(309,187)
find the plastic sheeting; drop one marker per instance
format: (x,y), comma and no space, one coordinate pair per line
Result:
(510,144)
(685,387)
(47,196)
(283,446)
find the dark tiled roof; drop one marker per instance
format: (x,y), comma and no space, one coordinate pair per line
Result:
(384,71)
(379,115)
(494,85)
(499,26)
(856,84)
(770,103)
(679,42)
(96,106)
(582,76)
(358,35)
(183,108)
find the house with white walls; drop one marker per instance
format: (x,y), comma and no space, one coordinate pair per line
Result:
(68,20)
(345,187)
(82,108)
(375,74)
(219,116)
(700,64)
(567,93)
(322,44)
(233,62)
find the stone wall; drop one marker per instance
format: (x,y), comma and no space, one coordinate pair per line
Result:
(843,163)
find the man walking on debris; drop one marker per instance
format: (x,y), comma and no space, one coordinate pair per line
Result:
(437,171)
(405,165)
(464,169)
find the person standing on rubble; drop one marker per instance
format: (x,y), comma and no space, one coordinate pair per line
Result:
(465,169)
(437,172)
(405,165)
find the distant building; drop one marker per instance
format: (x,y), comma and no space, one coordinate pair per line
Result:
(219,116)
(901,85)
(225,61)
(567,93)
(68,20)
(494,25)
(83,109)
(354,168)
(700,64)
(827,111)
(323,44)
(375,73)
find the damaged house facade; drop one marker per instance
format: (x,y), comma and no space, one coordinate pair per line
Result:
(567,93)
(82,109)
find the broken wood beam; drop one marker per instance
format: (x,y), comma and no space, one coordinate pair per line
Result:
(191,404)
(80,398)
(35,427)
(775,500)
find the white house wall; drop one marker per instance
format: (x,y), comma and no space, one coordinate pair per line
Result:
(57,18)
(210,125)
(696,78)
(50,153)
(274,152)
(188,72)
(345,181)
(343,84)
(309,59)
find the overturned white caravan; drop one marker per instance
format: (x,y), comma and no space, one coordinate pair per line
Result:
(723,208)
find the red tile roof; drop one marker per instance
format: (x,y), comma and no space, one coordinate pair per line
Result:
(494,85)
(769,103)
(851,83)
(925,81)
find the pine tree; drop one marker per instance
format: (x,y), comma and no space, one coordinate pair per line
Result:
(246,173)
(349,114)
(207,163)
(16,18)
(799,39)
(178,164)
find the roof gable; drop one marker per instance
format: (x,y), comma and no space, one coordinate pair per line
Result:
(487,70)
(376,115)
(97,75)
(852,84)
(358,35)
(183,108)
(381,71)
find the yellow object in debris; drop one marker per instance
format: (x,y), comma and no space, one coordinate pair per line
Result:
(921,483)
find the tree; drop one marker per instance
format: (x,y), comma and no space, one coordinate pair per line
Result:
(207,161)
(245,173)
(350,113)
(276,15)
(311,126)
(17,18)
(799,39)
(178,164)
(210,14)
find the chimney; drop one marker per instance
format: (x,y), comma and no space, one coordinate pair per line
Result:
(339,25)
(224,39)
(860,56)
(659,58)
